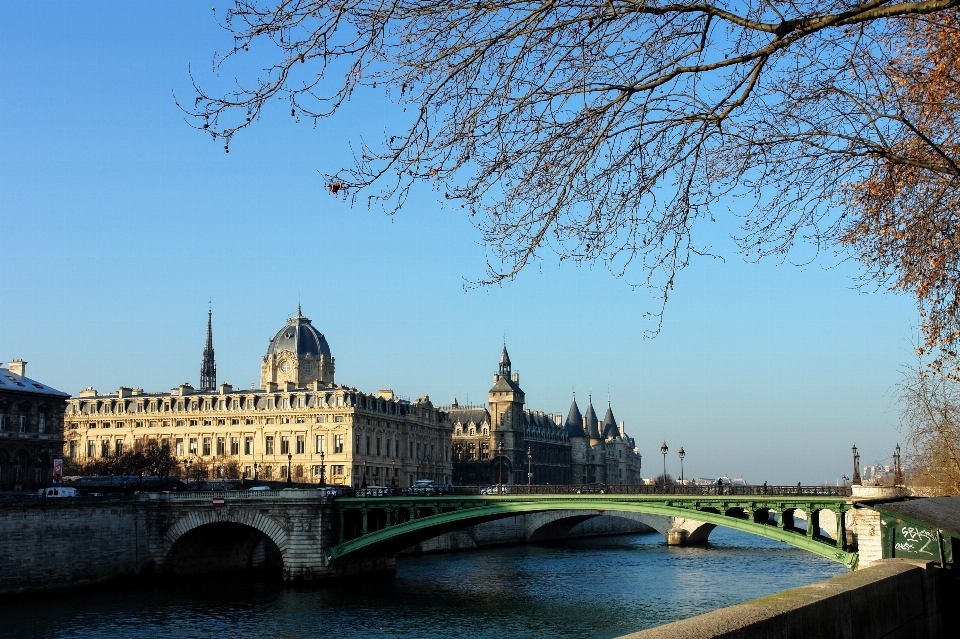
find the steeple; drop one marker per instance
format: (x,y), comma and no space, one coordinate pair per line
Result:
(505,363)
(208,370)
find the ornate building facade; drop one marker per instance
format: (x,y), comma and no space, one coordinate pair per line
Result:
(299,422)
(503,442)
(31,429)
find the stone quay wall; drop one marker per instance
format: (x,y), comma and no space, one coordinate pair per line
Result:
(890,599)
(63,543)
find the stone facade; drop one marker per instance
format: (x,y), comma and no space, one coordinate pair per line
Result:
(299,421)
(602,453)
(31,429)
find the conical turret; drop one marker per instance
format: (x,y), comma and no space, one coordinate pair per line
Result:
(505,363)
(590,422)
(574,423)
(609,426)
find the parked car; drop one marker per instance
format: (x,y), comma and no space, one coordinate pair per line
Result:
(495,490)
(259,488)
(58,491)
(591,489)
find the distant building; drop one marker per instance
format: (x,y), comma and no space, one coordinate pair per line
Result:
(31,429)
(491,443)
(297,413)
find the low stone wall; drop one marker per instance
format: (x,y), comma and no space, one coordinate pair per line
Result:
(893,598)
(64,543)
(534,527)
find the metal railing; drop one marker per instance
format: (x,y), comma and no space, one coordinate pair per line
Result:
(600,489)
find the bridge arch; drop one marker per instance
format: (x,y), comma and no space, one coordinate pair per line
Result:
(223,539)
(695,523)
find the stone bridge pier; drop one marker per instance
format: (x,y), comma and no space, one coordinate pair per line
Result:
(287,530)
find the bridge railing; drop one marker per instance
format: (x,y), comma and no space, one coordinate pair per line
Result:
(608,489)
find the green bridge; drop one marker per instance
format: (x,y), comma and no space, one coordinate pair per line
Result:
(810,518)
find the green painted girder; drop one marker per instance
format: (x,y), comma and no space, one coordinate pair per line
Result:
(485,508)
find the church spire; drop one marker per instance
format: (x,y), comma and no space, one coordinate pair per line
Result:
(208,370)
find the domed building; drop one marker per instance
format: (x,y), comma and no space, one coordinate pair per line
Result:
(298,427)
(297,354)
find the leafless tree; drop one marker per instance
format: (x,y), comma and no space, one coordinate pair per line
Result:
(930,400)
(605,130)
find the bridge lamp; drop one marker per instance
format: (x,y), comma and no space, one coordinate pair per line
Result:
(681,453)
(289,463)
(187,465)
(856,467)
(664,450)
(500,468)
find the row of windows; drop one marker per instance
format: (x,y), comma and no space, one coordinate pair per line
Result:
(232,403)
(21,423)
(205,446)
(320,419)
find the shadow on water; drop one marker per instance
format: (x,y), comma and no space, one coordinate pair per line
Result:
(600,587)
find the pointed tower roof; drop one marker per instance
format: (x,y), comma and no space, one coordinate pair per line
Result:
(574,423)
(590,421)
(609,427)
(505,362)
(208,369)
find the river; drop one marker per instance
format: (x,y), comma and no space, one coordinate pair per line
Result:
(596,588)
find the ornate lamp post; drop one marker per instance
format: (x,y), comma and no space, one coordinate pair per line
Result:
(256,471)
(363,480)
(681,453)
(500,468)
(856,467)
(289,463)
(323,468)
(529,466)
(664,450)
(187,464)
(393,473)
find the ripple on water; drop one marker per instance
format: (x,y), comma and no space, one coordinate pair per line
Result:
(596,588)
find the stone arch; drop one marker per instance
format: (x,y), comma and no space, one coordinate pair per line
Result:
(196,519)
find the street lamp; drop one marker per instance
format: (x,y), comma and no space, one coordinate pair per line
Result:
(323,478)
(363,480)
(500,468)
(187,464)
(393,475)
(529,466)
(256,471)
(289,462)
(681,453)
(897,470)
(664,450)
(856,467)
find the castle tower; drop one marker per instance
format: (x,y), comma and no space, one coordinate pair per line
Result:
(208,369)
(506,416)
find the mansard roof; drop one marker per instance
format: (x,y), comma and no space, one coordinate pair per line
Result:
(610,429)
(590,422)
(574,423)
(467,415)
(10,381)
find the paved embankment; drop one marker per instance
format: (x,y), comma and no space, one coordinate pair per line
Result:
(892,598)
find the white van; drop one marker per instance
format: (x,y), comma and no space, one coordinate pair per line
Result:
(58,491)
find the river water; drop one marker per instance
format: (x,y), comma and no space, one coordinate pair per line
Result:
(596,588)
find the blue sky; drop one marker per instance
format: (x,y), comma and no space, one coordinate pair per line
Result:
(118,222)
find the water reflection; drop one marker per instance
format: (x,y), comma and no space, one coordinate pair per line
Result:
(586,588)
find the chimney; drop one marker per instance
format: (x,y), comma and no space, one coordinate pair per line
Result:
(18,367)
(516,378)
(225,388)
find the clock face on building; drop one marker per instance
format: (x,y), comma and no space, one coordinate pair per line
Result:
(308,367)
(285,367)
